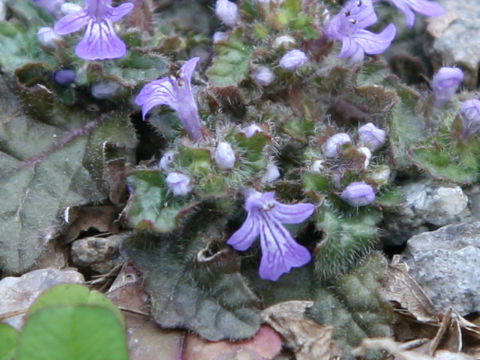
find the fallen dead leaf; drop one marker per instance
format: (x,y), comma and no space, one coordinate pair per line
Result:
(307,339)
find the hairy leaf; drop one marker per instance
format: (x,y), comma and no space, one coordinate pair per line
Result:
(50,158)
(190,288)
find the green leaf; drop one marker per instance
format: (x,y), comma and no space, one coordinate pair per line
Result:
(197,160)
(49,160)
(72,295)
(347,238)
(231,65)
(84,332)
(445,158)
(390,197)
(188,290)
(8,341)
(405,127)
(150,207)
(354,306)
(252,149)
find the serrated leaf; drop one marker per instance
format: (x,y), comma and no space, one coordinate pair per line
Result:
(72,295)
(405,127)
(207,297)
(46,167)
(151,206)
(354,306)
(347,238)
(445,158)
(8,341)
(231,65)
(84,332)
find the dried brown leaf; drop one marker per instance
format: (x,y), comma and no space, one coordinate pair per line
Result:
(309,340)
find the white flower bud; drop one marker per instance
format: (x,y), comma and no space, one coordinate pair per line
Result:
(317,165)
(167,160)
(252,130)
(293,60)
(224,155)
(263,75)
(48,37)
(333,144)
(371,136)
(271,174)
(178,183)
(219,36)
(284,42)
(227,12)
(368,155)
(105,90)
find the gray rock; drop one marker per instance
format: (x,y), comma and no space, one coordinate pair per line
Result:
(427,207)
(451,38)
(446,263)
(18,293)
(99,254)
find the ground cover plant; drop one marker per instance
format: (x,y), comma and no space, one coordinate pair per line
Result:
(249,154)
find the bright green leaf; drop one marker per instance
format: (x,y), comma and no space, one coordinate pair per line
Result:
(84,332)
(8,341)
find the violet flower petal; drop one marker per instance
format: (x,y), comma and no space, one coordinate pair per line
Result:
(372,43)
(71,23)
(280,252)
(100,42)
(292,214)
(158,92)
(120,11)
(244,237)
(424,7)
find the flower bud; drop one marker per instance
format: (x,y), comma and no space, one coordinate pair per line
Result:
(105,90)
(64,77)
(271,174)
(317,165)
(371,136)
(252,130)
(445,83)
(284,42)
(227,12)
(368,155)
(293,60)
(263,75)
(219,36)
(167,160)
(178,183)
(470,115)
(333,144)
(224,155)
(358,194)
(48,37)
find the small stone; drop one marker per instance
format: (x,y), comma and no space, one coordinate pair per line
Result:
(97,253)
(19,293)
(446,263)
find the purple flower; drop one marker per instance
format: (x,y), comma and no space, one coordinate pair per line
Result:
(349,27)
(227,12)
(334,143)
(265,217)
(178,183)
(445,83)
(177,94)
(293,59)
(470,115)
(100,40)
(424,7)
(358,194)
(371,136)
